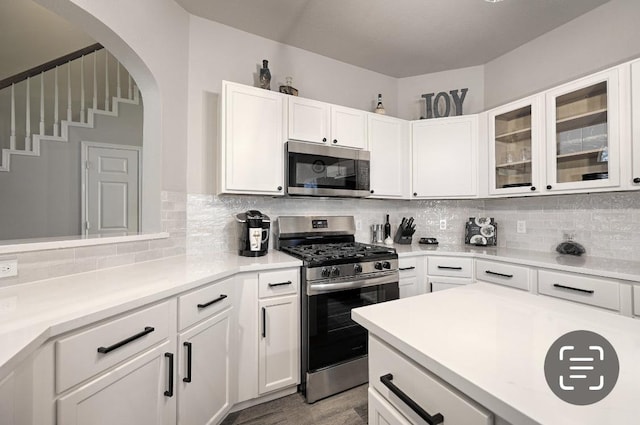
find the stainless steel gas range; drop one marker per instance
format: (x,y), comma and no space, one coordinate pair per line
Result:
(338,275)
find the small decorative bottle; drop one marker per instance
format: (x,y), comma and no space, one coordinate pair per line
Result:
(265,75)
(288,87)
(379,107)
(387,228)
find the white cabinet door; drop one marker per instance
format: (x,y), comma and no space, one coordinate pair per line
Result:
(7,400)
(515,157)
(140,391)
(348,127)
(408,286)
(635,117)
(308,120)
(383,413)
(252,141)
(279,347)
(583,127)
(445,156)
(390,166)
(204,371)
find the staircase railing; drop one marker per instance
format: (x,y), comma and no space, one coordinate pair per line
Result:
(55,91)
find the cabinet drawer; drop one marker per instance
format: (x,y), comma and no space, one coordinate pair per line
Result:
(441,283)
(449,266)
(588,290)
(636,300)
(205,302)
(278,282)
(407,266)
(427,391)
(503,274)
(87,353)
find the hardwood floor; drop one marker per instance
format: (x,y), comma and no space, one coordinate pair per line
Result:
(346,408)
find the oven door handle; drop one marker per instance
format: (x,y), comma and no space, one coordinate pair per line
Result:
(323,288)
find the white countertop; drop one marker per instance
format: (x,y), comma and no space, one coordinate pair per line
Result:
(490,342)
(605,267)
(32,313)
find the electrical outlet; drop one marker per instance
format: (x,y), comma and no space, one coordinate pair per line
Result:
(8,268)
(521,226)
(443,224)
(358,224)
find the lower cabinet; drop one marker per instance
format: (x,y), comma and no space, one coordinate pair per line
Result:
(139,391)
(204,371)
(279,346)
(438,283)
(383,413)
(410,271)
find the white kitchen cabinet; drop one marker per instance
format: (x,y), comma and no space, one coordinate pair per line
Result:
(503,274)
(582,140)
(440,283)
(138,391)
(320,122)
(7,400)
(515,143)
(634,181)
(204,385)
(580,288)
(279,345)
(390,171)
(445,157)
(251,149)
(382,412)
(412,278)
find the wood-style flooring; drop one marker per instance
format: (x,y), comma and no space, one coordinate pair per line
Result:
(346,408)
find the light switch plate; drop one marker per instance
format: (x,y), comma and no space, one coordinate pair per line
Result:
(443,224)
(8,268)
(521,226)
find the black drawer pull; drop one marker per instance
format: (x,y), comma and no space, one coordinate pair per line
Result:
(586,291)
(449,268)
(169,392)
(431,420)
(187,378)
(509,276)
(205,305)
(288,282)
(105,350)
(407,268)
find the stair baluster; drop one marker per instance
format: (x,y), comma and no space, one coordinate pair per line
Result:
(118,91)
(95,81)
(27,137)
(69,116)
(56,117)
(82,105)
(12,137)
(42,103)
(106,80)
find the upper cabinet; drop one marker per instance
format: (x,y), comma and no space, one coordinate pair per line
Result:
(514,148)
(319,122)
(390,166)
(583,126)
(252,141)
(445,157)
(634,180)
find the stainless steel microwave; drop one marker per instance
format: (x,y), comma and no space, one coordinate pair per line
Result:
(321,170)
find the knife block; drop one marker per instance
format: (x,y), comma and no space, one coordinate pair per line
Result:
(401,238)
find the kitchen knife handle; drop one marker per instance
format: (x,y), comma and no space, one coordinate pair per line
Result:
(509,276)
(431,420)
(586,291)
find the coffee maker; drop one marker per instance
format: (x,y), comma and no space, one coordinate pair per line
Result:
(253,229)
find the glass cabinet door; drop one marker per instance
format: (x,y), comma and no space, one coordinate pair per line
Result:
(514,148)
(582,142)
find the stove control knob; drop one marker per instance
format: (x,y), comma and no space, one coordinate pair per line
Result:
(335,272)
(386,265)
(378,265)
(357,268)
(325,272)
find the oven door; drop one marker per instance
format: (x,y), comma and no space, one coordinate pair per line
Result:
(318,170)
(331,336)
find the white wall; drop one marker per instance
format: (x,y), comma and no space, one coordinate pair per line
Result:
(411,105)
(605,36)
(218,52)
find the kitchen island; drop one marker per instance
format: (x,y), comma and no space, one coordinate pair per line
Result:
(488,344)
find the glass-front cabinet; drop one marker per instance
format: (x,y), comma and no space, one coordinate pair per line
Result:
(583,134)
(514,140)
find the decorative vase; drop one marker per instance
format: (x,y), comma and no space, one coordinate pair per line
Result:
(379,108)
(288,87)
(265,75)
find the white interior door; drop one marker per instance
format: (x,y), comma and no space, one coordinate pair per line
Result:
(111,188)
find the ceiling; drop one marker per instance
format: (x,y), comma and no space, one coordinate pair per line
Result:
(399,38)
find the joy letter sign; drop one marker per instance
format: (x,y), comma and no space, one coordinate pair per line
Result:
(440,105)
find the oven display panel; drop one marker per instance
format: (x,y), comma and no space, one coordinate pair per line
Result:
(319,224)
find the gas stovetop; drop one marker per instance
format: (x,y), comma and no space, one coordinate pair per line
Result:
(318,254)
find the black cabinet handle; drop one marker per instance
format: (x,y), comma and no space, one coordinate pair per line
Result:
(533,188)
(324,139)
(105,350)
(217,300)
(407,268)
(335,140)
(431,420)
(288,282)
(549,187)
(636,180)
(189,348)
(415,194)
(449,268)
(279,188)
(264,322)
(169,392)
(509,276)
(372,191)
(586,291)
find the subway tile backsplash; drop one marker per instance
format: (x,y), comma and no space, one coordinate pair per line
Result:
(606,224)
